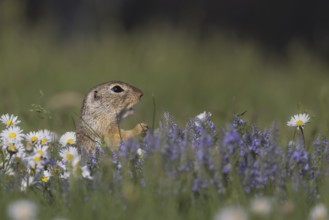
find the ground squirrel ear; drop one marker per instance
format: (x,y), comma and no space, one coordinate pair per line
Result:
(96,96)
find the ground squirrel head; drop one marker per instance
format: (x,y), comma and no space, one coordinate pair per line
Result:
(111,101)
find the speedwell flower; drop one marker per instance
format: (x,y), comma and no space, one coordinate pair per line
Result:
(9,120)
(69,138)
(299,120)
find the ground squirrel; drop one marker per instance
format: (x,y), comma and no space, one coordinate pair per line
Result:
(102,109)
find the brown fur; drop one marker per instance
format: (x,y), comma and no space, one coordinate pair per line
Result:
(101,112)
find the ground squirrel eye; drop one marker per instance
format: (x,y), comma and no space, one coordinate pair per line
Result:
(117,89)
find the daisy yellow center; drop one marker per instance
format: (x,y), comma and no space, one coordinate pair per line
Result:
(44,140)
(9,122)
(34,138)
(44,179)
(12,148)
(12,135)
(10,174)
(78,170)
(299,122)
(55,170)
(37,158)
(70,141)
(21,166)
(76,164)
(69,156)
(40,151)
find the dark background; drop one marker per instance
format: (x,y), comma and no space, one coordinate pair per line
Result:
(273,23)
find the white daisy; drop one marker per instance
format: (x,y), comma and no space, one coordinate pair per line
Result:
(12,135)
(9,120)
(61,164)
(46,176)
(10,172)
(36,162)
(33,137)
(70,154)
(261,206)
(65,175)
(299,120)
(76,161)
(79,171)
(14,148)
(69,138)
(318,212)
(22,210)
(231,213)
(200,118)
(27,181)
(140,152)
(46,137)
(19,156)
(42,150)
(86,172)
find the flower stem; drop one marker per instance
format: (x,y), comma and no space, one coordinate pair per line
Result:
(293,137)
(302,131)
(154,112)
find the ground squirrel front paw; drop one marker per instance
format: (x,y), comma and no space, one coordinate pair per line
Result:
(141,128)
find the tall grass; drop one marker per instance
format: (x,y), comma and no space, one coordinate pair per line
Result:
(186,75)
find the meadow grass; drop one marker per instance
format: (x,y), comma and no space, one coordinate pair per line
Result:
(186,75)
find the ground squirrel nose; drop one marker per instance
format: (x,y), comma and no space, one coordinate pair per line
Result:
(141,94)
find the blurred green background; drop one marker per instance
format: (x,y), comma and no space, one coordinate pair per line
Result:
(185,73)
